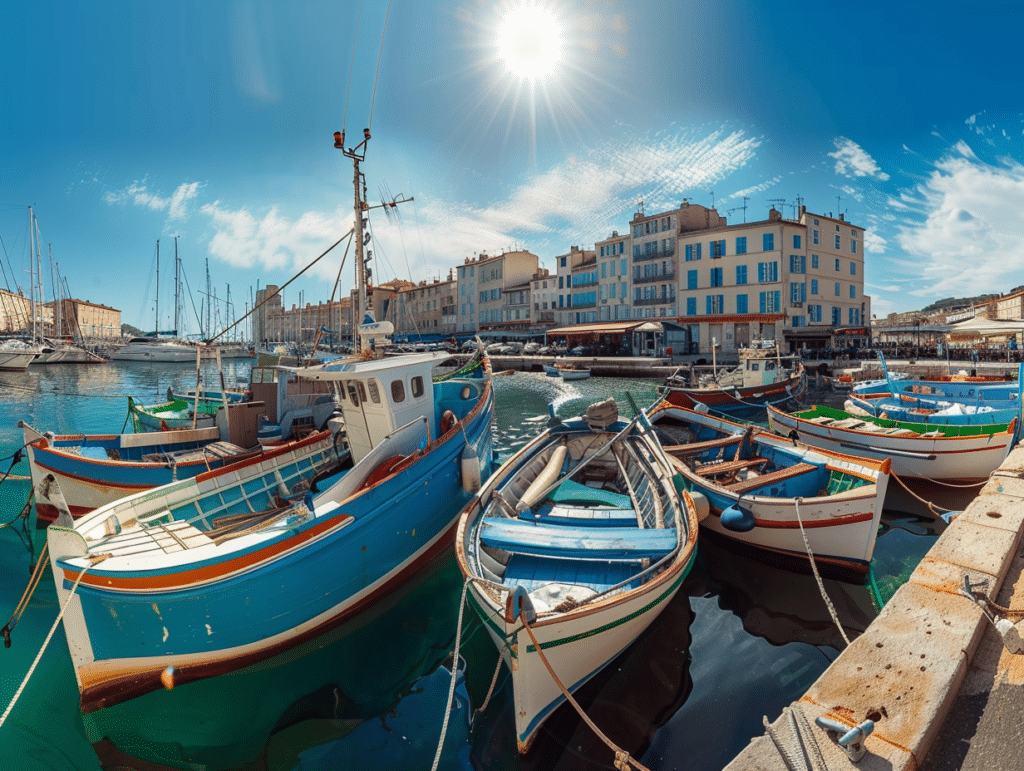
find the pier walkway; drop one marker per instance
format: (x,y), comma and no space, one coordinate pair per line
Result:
(931,670)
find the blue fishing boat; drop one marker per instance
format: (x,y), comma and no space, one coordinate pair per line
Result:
(209,575)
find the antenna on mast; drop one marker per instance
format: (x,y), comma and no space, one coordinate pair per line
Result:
(743,207)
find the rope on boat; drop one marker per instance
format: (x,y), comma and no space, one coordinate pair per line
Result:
(931,506)
(451,687)
(817,575)
(623,761)
(801,752)
(494,681)
(46,642)
(30,589)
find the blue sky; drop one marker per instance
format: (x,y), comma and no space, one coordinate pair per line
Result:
(128,122)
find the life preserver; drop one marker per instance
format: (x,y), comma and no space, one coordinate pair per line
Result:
(448,421)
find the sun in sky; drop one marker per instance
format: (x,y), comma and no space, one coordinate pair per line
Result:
(530,41)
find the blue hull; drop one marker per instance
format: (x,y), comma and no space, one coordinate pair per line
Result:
(208,617)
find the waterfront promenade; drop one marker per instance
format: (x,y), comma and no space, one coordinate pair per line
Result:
(931,670)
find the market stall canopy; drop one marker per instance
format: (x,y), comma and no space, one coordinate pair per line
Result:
(981,326)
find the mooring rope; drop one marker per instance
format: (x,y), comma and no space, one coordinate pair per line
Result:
(931,506)
(494,681)
(807,749)
(30,589)
(623,760)
(817,575)
(455,666)
(46,642)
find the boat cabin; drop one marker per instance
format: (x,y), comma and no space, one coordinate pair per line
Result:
(380,395)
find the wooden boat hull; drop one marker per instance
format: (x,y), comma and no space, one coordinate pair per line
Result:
(171,416)
(840,527)
(95,470)
(738,399)
(578,638)
(953,459)
(169,608)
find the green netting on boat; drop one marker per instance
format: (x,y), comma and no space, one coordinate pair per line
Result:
(840,482)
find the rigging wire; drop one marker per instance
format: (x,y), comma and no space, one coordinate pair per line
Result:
(351,67)
(380,54)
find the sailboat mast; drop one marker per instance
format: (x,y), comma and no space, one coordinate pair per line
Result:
(39,281)
(156,329)
(31,270)
(177,286)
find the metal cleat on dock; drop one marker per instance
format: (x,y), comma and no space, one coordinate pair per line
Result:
(850,739)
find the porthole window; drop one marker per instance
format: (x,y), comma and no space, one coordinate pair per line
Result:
(397,391)
(417,386)
(466,392)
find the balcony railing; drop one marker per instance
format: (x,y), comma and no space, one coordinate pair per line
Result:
(654,256)
(670,276)
(579,281)
(655,301)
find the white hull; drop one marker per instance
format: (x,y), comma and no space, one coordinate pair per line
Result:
(16,361)
(577,646)
(161,355)
(960,459)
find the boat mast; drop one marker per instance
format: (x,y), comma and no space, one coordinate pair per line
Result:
(39,282)
(177,285)
(156,329)
(362,312)
(31,269)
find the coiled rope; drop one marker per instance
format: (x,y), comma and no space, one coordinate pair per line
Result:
(46,642)
(817,575)
(801,752)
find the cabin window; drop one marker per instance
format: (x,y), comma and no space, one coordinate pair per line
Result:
(755,366)
(769,365)
(353,394)
(362,391)
(397,391)
(417,386)
(374,391)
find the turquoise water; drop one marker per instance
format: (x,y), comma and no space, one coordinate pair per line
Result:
(740,641)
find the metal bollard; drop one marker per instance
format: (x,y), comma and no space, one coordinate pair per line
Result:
(850,739)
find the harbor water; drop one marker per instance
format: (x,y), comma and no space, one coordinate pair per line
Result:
(741,641)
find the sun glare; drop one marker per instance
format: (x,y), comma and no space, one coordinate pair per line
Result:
(530,41)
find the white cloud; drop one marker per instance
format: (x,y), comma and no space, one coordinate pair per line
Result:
(137,193)
(874,243)
(969,238)
(271,240)
(853,161)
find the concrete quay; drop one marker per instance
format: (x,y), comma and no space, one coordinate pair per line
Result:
(931,670)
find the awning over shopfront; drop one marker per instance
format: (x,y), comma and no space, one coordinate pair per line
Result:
(609,328)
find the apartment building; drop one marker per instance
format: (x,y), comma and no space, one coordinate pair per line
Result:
(544,296)
(614,256)
(482,305)
(653,272)
(565,265)
(428,309)
(583,275)
(794,281)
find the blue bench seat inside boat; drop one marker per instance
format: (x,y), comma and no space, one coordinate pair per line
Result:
(531,573)
(581,516)
(584,543)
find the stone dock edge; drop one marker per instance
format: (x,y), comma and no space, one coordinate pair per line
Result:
(906,670)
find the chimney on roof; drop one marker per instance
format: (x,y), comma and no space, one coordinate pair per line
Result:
(842,217)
